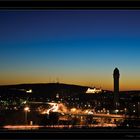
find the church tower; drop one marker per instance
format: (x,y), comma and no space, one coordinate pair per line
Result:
(116,76)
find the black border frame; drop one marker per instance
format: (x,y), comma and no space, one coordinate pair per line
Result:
(69,4)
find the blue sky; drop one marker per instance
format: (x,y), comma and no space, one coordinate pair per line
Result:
(76,46)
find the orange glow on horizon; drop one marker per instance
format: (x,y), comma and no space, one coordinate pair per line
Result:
(103,81)
(123,87)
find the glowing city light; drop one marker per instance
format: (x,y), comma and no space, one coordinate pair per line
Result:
(29,91)
(26,109)
(24,102)
(94,90)
(73,110)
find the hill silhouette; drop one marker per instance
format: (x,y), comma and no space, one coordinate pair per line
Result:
(48,89)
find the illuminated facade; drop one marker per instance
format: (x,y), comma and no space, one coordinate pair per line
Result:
(94,90)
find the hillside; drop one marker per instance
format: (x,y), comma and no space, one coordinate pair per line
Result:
(48,89)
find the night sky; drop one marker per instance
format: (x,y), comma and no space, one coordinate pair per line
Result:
(80,47)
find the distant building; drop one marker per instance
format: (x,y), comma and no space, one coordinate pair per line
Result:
(93,90)
(116,76)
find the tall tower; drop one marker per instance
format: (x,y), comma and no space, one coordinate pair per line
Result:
(116,76)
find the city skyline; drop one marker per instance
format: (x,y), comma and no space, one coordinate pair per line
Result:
(73,46)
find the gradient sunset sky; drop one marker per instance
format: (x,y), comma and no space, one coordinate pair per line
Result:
(80,47)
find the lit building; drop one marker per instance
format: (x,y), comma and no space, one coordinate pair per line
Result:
(94,90)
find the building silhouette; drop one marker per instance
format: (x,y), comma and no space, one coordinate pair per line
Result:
(116,76)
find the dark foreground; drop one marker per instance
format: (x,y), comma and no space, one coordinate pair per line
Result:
(74,133)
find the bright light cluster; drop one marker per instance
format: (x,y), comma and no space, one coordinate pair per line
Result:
(94,90)
(29,91)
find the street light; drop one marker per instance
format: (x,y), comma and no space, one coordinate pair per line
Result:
(125,111)
(116,111)
(26,109)
(73,110)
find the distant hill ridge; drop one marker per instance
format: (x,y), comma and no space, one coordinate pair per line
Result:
(46,86)
(43,89)
(41,85)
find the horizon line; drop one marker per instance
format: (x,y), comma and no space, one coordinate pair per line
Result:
(66,84)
